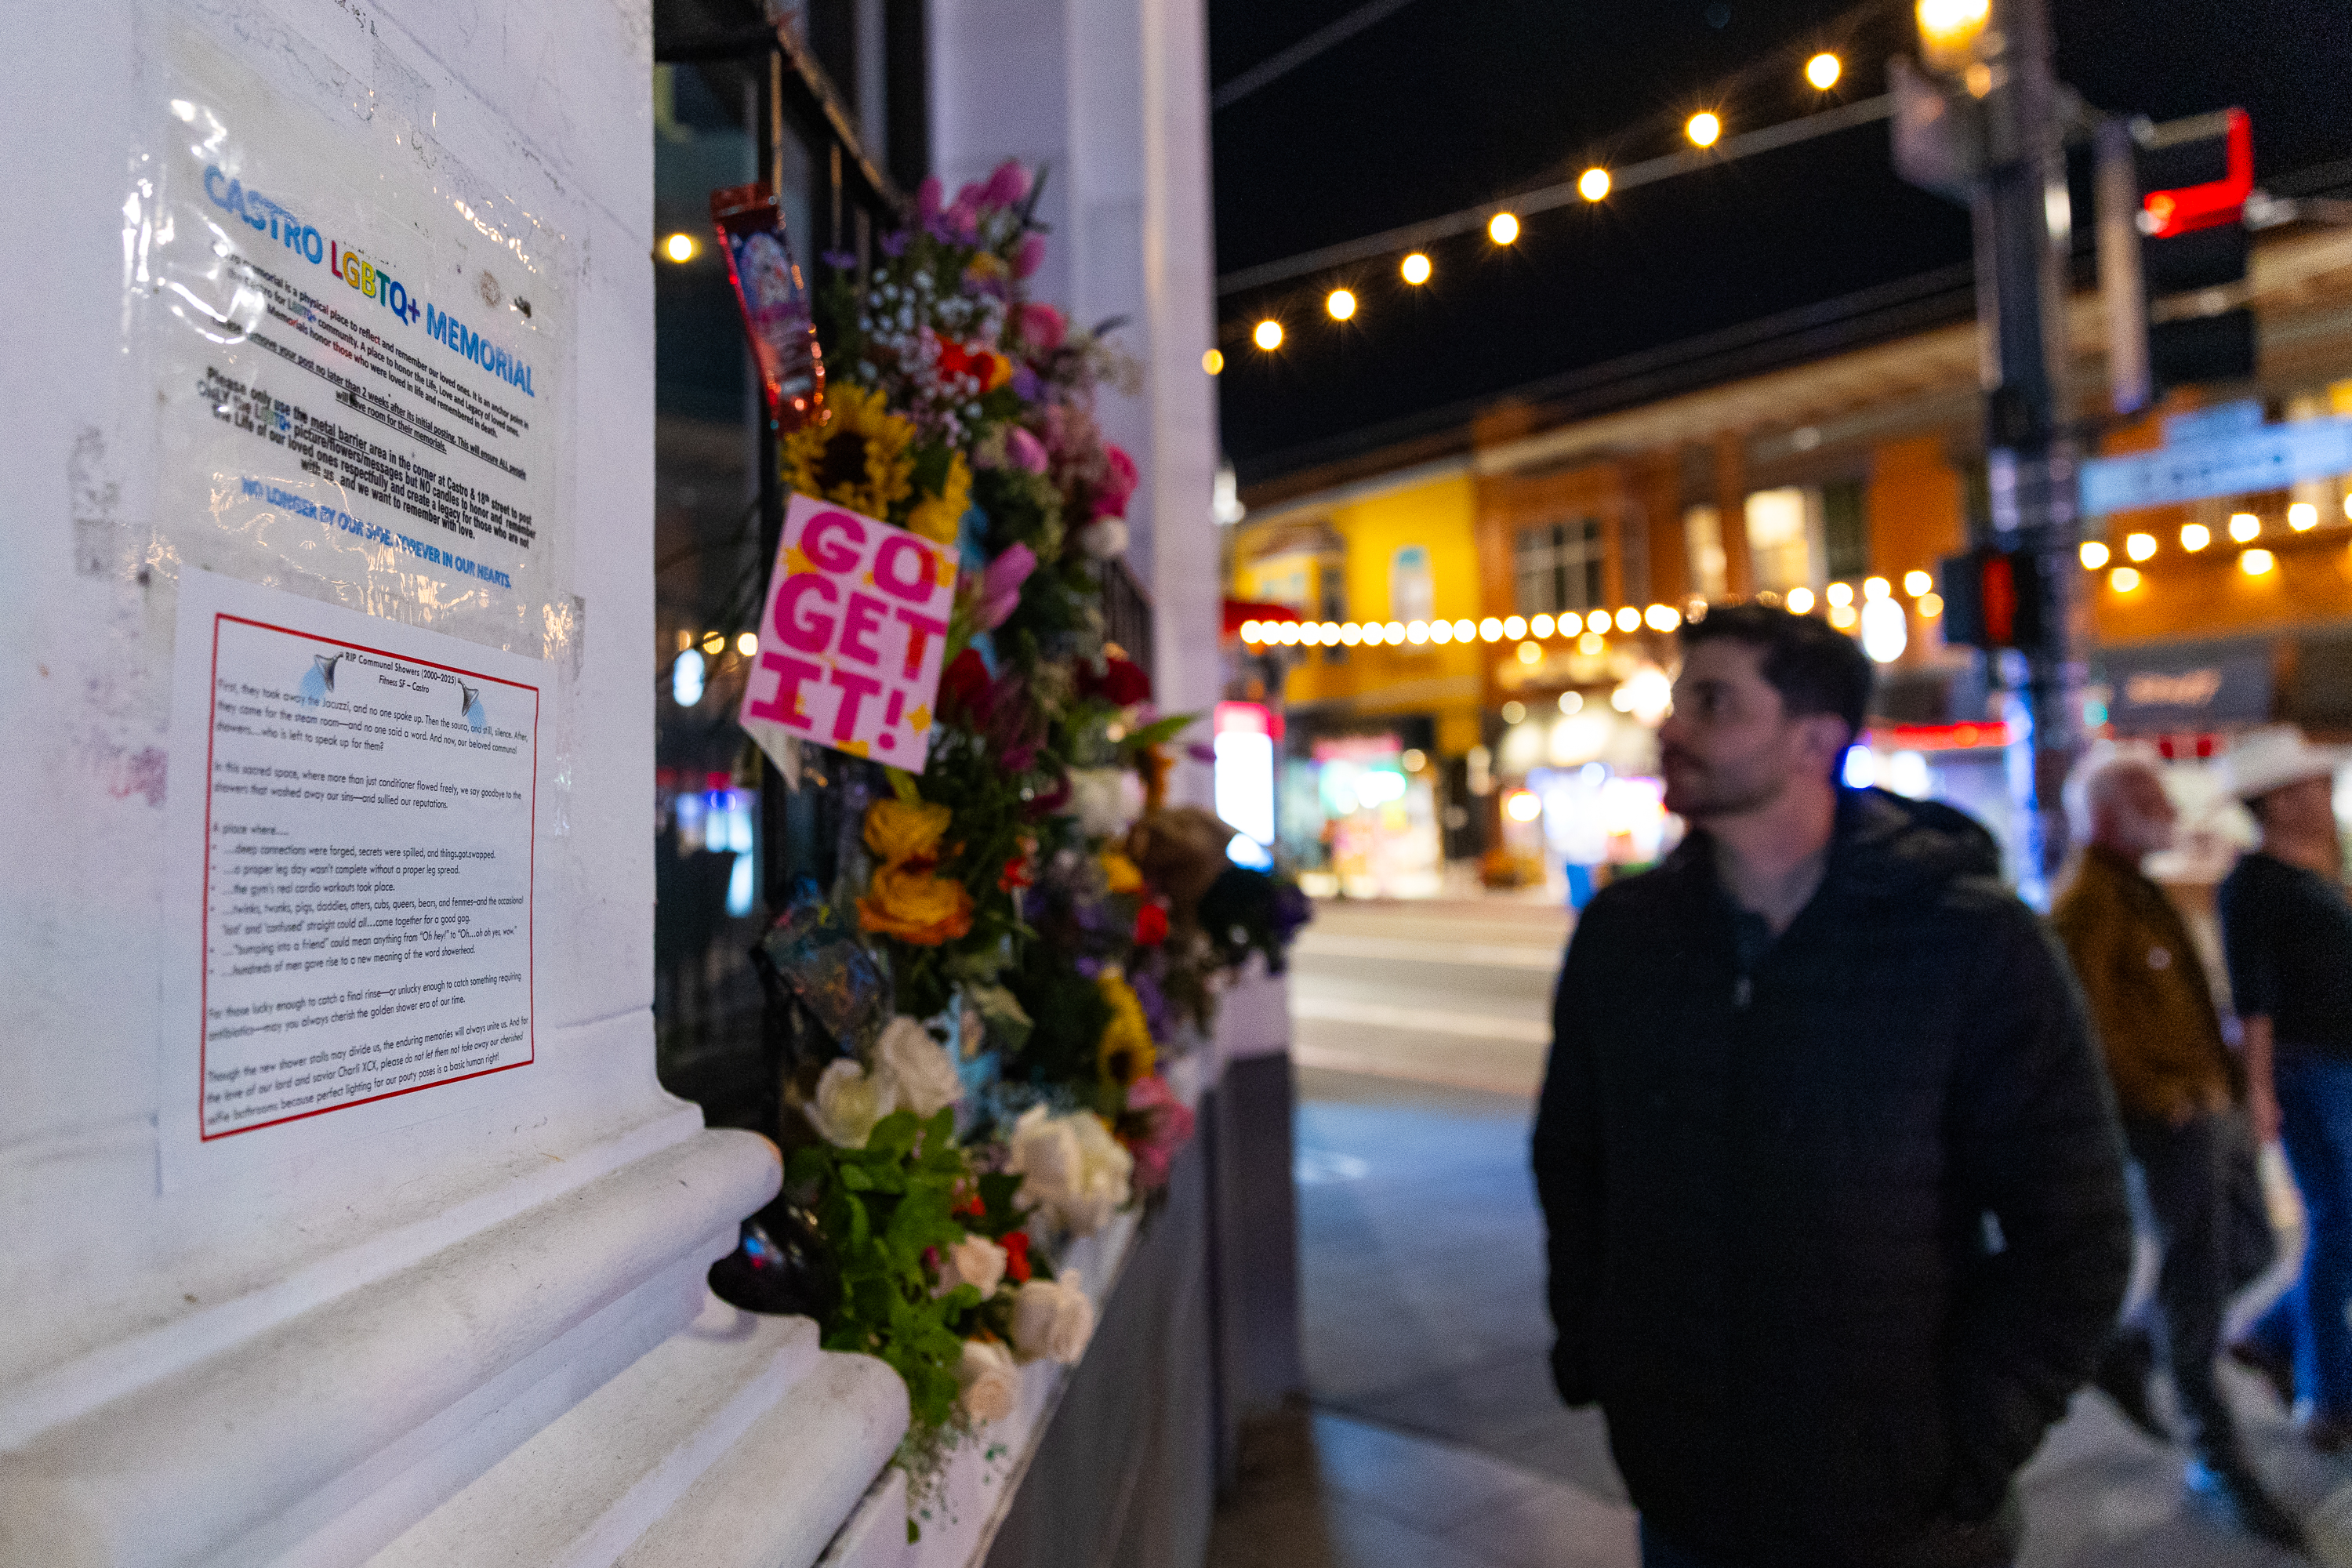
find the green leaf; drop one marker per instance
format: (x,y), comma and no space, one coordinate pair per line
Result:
(1161,730)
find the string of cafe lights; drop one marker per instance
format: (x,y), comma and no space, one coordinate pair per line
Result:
(1705,146)
(1843,605)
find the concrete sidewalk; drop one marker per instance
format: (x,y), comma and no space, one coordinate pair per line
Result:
(1435,1437)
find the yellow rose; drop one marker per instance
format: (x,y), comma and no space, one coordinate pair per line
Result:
(1124,1052)
(900,830)
(915,906)
(1120,872)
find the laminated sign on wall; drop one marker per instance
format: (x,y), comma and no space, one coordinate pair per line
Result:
(354,814)
(360,356)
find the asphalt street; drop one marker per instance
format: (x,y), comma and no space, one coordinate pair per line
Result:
(1434,1436)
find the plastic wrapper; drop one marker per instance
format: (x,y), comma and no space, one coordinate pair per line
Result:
(775,300)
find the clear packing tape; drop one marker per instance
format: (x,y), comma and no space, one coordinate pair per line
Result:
(357,358)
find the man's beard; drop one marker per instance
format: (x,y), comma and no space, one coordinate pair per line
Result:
(1695,792)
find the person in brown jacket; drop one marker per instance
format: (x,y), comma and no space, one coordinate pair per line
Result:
(2177,1084)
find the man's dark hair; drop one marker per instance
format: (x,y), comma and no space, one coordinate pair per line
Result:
(1815,668)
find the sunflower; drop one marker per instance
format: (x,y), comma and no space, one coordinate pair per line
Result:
(858,457)
(938,517)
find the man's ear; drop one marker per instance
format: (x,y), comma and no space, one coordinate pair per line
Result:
(1826,738)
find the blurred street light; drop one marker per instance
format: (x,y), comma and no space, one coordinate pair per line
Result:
(1593,184)
(1503,228)
(1415,269)
(2140,546)
(679,248)
(1341,305)
(1705,127)
(1950,32)
(1822,70)
(1268,335)
(2095,555)
(2195,536)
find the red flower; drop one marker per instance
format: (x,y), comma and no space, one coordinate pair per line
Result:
(1016,1255)
(965,684)
(1019,871)
(1122,682)
(1151,926)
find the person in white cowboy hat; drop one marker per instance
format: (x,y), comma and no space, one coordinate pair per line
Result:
(2286,932)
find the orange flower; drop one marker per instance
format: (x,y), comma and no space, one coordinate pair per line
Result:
(915,906)
(900,830)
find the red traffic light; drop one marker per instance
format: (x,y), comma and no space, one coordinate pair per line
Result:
(2187,209)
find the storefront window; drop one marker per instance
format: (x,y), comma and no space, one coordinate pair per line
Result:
(1559,567)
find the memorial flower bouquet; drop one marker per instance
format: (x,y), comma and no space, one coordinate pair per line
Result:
(1028,908)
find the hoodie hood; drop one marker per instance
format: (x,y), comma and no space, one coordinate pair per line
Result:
(1888,843)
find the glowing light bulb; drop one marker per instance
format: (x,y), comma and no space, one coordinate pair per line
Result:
(748,644)
(1593,184)
(2303,517)
(1541,625)
(1514,627)
(2256,562)
(1801,601)
(1877,588)
(2245,526)
(2195,536)
(2095,554)
(1916,582)
(1268,335)
(1930,606)
(1598,621)
(680,248)
(1214,362)
(1341,305)
(1705,127)
(1823,71)
(1490,630)
(2140,546)
(2124,579)
(1502,228)
(1415,270)
(1464,630)
(1629,619)
(1839,593)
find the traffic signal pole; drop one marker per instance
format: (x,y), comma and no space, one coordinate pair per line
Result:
(2021,218)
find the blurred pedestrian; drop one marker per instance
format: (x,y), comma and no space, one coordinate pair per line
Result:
(2286,932)
(2175,1082)
(1833,1183)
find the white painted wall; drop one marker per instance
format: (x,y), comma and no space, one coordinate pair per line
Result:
(300,1363)
(1112,95)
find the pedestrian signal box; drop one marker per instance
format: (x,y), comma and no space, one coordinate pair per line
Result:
(1994,598)
(2194,177)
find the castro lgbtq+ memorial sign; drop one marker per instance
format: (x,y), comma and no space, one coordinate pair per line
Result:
(853,637)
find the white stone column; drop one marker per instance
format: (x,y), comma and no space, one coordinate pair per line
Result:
(1113,96)
(477,1334)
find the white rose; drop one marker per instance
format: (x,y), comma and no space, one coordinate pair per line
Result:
(926,1075)
(850,1100)
(990,1380)
(1103,538)
(1107,801)
(1044,1153)
(975,1262)
(1106,1176)
(1072,1169)
(1052,1319)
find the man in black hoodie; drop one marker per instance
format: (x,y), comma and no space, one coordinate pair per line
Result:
(1833,1178)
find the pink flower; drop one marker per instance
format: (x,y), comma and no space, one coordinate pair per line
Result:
(1007,185)
(969,195)
(926,198)
(1030,256)
(1165,1127)
(1118,483)
(1044,326)
(1025,450)
(1000,585)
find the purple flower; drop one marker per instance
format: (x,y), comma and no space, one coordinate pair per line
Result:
(1024,384)
(894,243)
(839,260)
(1157,1013)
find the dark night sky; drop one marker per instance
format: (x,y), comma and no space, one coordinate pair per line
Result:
(1444,105)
